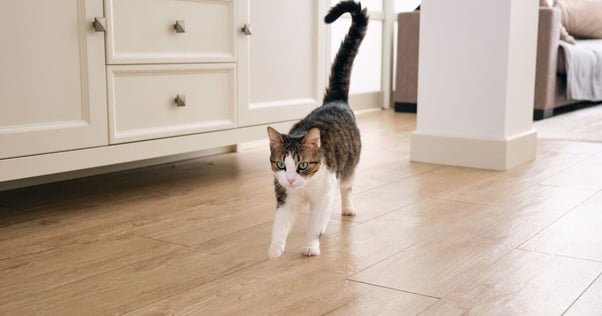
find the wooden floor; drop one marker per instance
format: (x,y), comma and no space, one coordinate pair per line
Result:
(192,238)
(588,128)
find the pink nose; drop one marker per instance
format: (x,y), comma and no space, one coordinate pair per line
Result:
(290,181)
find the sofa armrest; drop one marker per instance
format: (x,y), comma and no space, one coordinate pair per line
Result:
(548,39)
(406,80)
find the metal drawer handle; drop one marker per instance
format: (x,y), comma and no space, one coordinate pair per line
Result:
(246,29)
(180,100)
(100,24)
(180,26)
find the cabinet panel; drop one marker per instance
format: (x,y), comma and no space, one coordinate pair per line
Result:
(52,83)
(282,64)
(143,31)
(142,100)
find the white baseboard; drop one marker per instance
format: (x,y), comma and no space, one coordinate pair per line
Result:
(15,184)
(496,154)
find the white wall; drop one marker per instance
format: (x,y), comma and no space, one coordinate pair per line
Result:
(456,71)
(366,74)
(406,5)
(521,73)
(476,83)
(373,68)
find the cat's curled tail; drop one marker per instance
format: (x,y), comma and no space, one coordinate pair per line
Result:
(338,87)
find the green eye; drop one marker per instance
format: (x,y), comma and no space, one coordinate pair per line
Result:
(280,165)
(303,165)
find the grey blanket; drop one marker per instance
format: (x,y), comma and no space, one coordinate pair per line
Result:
(583,64)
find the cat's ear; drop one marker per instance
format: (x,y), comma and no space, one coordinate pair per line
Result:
(312,138)
(275,137)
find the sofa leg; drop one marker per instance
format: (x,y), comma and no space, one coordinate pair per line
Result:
(404,107)
(542,114)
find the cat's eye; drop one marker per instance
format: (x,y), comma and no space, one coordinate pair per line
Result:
(280,165)
(303,165)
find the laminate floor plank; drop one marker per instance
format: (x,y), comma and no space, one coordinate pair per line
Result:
(135,285)
(590,303)
(578,234)
(468,246)
(25,276)
(354,298)
(274,285)
(522,283)
(191,237)
(586,174)
(525,283)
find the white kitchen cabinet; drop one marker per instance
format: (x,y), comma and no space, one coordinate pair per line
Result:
(282,64)
(161,78)
(52,78)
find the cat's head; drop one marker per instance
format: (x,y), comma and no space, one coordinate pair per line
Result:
(295,159)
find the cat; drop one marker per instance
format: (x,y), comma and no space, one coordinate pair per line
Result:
(321,149)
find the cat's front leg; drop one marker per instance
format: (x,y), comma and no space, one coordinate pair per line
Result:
(318,220)
(283,222)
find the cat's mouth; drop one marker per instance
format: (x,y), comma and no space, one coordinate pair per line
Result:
(294,185)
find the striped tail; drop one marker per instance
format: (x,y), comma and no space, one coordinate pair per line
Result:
(338,86)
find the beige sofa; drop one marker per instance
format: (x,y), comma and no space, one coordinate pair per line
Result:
(550,80)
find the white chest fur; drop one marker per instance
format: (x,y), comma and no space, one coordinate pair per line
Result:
(318,193)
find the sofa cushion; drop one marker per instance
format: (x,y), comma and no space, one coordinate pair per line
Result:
(564,35)
(582,18)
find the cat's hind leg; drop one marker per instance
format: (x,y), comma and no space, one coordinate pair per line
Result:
(347,208)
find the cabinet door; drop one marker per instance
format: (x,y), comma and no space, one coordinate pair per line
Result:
(282,64)
(52,83)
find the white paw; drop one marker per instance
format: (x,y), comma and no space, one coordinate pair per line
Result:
(348,212)
(275,251)
(310,251)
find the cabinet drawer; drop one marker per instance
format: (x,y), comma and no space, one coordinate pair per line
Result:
(143,31)
(142,100)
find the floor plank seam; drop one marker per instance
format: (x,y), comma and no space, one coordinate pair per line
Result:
(394,289)
(429,307)
(558,255)
(518,247)
(558,219)
(383,259)
(581,294)
(206,283)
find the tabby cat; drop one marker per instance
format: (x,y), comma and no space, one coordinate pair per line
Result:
(320,150)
